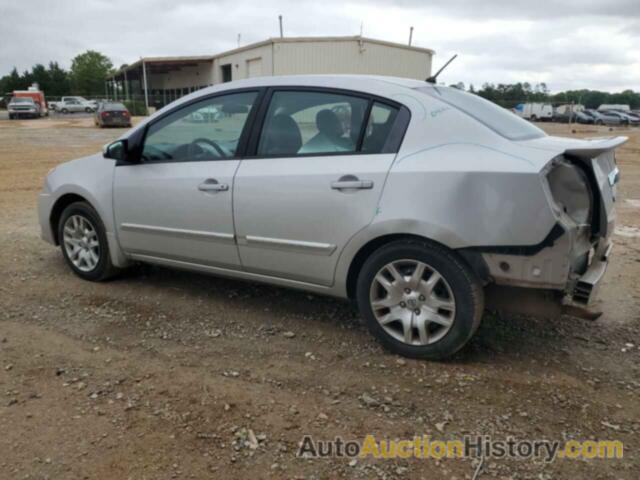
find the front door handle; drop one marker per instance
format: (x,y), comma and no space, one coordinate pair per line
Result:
(349,182)
(212,185)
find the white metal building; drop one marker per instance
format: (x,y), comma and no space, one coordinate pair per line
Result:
(168,78)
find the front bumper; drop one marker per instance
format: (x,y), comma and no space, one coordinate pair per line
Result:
(24,113)
(45,203)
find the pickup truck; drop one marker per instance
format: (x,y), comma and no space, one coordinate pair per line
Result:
(73,104)
(23,107)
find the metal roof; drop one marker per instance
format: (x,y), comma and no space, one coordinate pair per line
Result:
(165,64)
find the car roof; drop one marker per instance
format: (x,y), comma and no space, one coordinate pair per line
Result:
(372,84)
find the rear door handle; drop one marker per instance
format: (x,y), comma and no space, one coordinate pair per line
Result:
(212,185)
(350,184)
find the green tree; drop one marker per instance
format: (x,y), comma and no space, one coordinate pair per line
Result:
(40,75)
(11,82)
(59,83)
(88,73)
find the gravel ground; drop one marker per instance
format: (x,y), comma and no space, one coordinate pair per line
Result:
(165,374)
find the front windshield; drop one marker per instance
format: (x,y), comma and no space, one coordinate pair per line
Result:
(22,100)
(498,119)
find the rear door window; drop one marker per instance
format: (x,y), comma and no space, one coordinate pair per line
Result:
(312,123)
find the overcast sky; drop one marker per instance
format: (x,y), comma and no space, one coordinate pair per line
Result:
(568,44)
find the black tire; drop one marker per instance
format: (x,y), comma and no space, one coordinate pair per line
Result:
(466,289)
(104,269)
(88,110)
(11,116)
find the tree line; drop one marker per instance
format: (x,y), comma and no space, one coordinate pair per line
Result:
(85,77)
(509,95)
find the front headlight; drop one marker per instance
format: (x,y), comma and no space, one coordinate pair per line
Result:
(571,191)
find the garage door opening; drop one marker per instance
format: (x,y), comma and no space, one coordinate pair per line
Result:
(226,72)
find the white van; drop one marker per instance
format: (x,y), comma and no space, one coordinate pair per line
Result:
(535,111)
(621,108)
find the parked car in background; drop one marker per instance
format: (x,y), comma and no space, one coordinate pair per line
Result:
(630,117)
(535,111)
(23,107)
(73,104)
(112,115)
(568,116)
(603,118)
(37,96)
(625,119)
(416,218)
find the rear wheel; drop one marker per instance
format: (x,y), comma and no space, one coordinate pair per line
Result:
(88,110)
(83,241)
(64,110)
(419,299)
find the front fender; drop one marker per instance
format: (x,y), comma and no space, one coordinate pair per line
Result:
(92,179)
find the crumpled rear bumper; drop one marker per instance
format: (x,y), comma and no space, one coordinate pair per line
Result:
(586,286)
(573,265)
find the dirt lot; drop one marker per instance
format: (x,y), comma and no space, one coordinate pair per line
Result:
(164,374)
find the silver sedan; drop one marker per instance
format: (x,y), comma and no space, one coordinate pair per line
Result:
(422,204)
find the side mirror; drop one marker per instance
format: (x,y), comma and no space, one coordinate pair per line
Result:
(116,150)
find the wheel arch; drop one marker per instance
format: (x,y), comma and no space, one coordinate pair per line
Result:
(58,207)
(471,259)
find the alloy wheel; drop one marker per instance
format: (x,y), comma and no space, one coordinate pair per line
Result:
(81,243)
(412,302)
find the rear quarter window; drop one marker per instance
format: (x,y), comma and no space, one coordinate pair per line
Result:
(498,119)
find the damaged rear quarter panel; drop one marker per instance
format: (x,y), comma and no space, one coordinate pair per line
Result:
(469,195)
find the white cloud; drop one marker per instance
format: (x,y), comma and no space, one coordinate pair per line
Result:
(566,43)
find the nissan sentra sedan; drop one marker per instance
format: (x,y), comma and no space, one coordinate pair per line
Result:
(422,204)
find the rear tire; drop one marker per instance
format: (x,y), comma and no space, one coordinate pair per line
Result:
(64,110)
(83,241)
(429,311)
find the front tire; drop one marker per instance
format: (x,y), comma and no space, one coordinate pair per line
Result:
(83,241)
(419,299)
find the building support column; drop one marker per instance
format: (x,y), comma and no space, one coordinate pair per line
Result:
(146,89)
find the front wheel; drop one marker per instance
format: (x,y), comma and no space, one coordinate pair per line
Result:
(419,299)
(83,241)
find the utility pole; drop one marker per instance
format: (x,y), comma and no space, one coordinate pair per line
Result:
(410,35)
